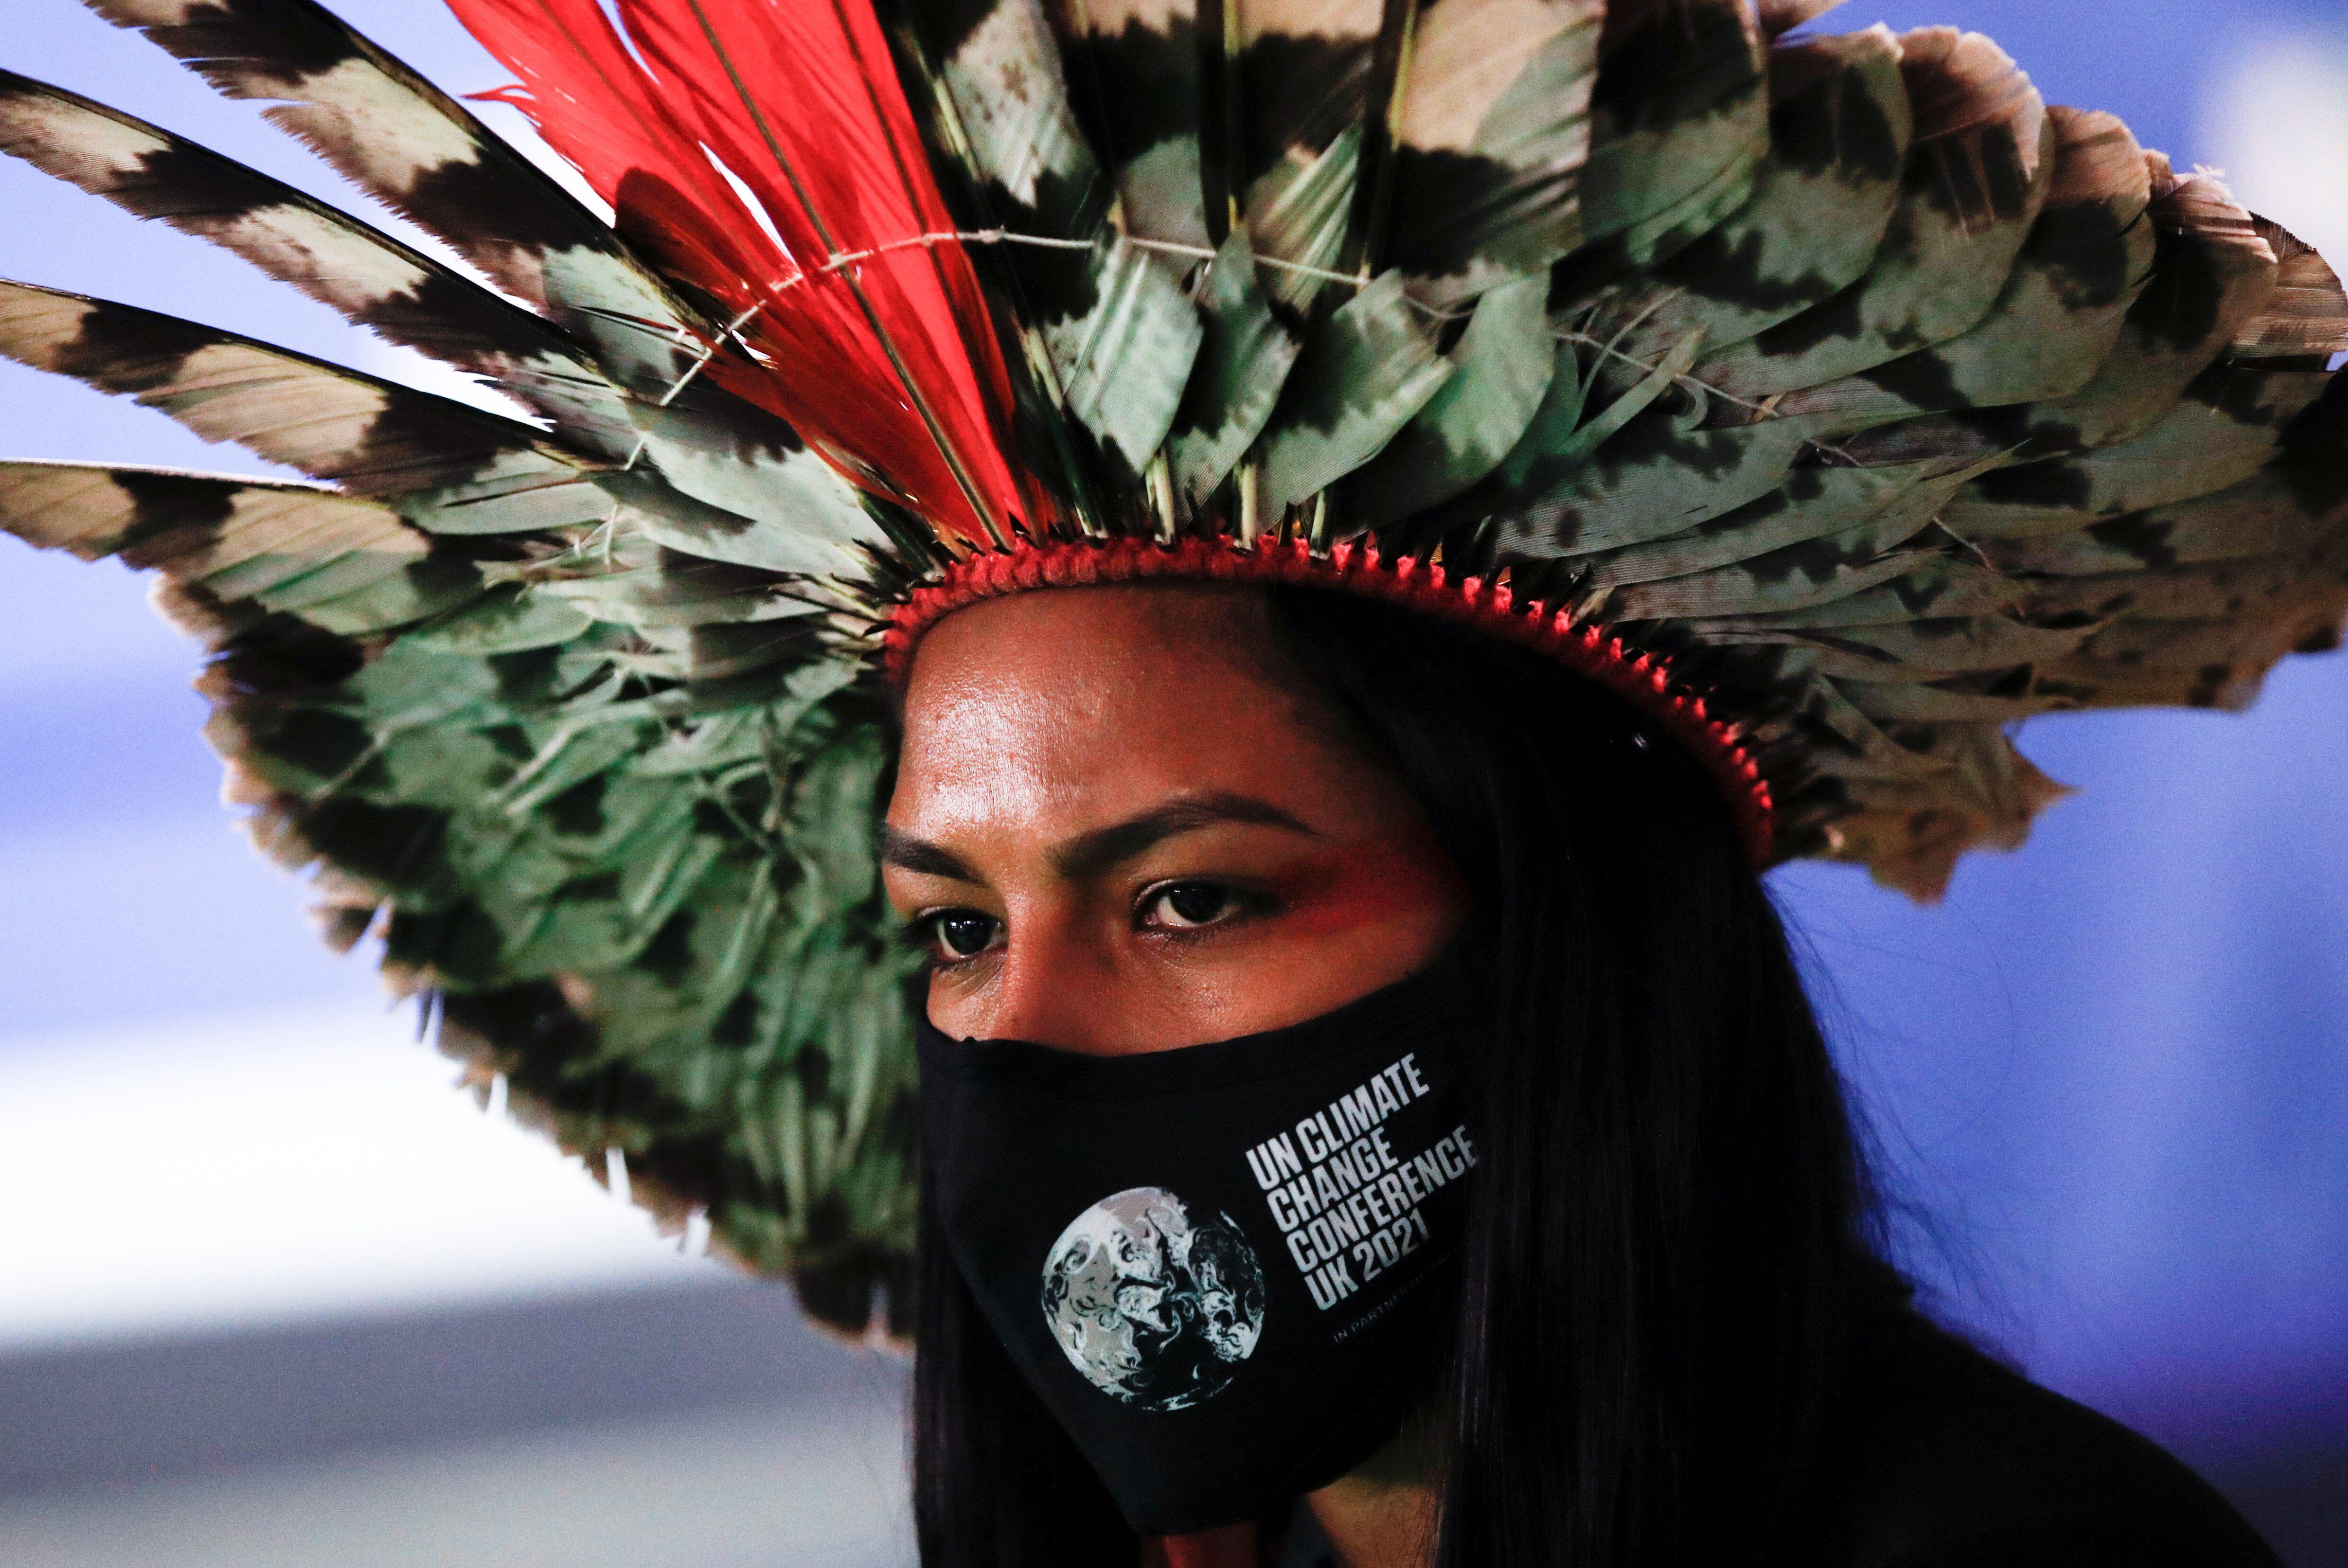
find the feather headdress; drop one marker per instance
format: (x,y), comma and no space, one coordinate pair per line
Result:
(1833,399)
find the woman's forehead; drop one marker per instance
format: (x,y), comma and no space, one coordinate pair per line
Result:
(1213,625)
(1063,709)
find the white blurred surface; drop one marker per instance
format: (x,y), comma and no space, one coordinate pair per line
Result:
(740,1490)
(252,1170)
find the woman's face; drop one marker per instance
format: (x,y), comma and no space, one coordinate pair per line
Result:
(1122,825)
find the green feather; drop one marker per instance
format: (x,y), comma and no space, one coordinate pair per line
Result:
(1503,365)
(1491,136)
(1675,145)
(1124,363)
(1979,167)
(1245,356)
(1360,377)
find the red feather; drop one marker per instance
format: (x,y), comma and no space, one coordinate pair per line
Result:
(887,363)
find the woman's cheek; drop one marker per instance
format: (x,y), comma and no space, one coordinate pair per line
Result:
(1370,892)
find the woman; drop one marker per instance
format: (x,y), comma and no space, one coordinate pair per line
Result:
(1222,816)
(1312,550)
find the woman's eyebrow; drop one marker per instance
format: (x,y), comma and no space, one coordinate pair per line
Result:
(907,852)
(1088,854)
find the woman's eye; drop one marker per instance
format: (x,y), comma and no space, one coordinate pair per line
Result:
(1181,906)
(963,933)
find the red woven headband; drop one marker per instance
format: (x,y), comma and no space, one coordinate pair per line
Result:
(1642,680)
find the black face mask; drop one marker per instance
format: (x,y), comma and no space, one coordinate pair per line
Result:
(1221,1268)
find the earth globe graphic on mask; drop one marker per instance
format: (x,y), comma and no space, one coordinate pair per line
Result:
(1152,1306)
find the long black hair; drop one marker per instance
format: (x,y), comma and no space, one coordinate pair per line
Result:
(1666,1258)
